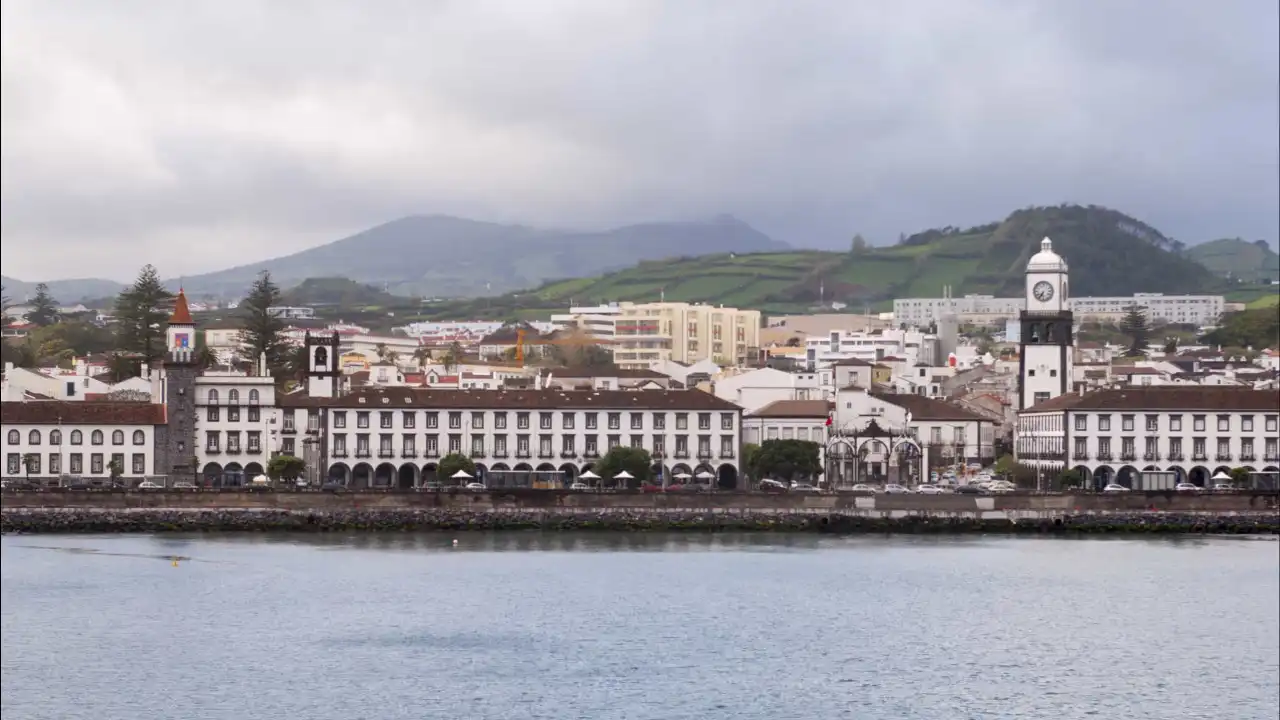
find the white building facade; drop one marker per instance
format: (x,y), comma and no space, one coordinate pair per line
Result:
(48,440)
(1114,435)
(984,309)
(396,437)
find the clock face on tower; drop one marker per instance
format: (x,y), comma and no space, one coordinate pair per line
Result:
(1043,291)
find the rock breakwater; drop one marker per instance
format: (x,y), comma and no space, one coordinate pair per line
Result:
(160,520)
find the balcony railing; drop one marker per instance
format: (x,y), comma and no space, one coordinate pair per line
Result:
(705,454)
(1222,457)
(1271,456)
(386,453)
(339,453)
(1199,456)
(568,454)
(1150,457)
(591,454)
(432,453)
(500,453)
(408,453)
(477,452)
(288,429)
(726,454)
(523,455)
(363,454)
(1176,457)
(682,455)
(1105,456)
(1128,456)
(212,450)
(233,451)
(545,454)
(1247,456)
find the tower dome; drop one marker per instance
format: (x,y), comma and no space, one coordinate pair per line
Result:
(1046,260)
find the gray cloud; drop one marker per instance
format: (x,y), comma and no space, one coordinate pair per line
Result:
(201,135)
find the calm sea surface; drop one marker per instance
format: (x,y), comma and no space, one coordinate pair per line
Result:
(637,627)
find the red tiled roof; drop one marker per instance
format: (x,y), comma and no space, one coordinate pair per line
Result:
(794,409)
(51,412)
(181,313)
(1166,398)
(506,399)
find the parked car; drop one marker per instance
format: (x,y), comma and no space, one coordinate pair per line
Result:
(579,487)
(475,487)
(928,489)
(863,489)
(1115,488)
(184,485)
(150,485)
(971,489)
(1223,487)
(334,487)
(773,486)
(1187,487)
(804,488)
(895,489)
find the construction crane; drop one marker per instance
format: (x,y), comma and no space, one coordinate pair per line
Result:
(577,339)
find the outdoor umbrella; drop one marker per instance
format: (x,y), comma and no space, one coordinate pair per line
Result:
(588,475)
(624,475)
(1221,477)
(461,475)
(682,475)
(704,475)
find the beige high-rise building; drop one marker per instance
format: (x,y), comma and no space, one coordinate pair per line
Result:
(644,333)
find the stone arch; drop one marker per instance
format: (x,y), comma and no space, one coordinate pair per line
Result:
(233,474)
(407,476)
(482,472)
(523,467)
(1199,475)
(430,473)
(680,468)
(362,475)
(660,474)
(384,475)
(1222,469)
(500,467)
(570,473)
(1127,476)
(1150,468)
(704,468)
(339,473)
(253,470)
(1103,475)
(546,467)
(212,474)
(906,463)
(727,477)
(1086,476)
(1271,468)
(1179,474)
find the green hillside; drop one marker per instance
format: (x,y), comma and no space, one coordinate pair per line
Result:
(1109,253)
(1239,259)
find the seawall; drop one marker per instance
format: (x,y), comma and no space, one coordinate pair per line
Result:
(44,512)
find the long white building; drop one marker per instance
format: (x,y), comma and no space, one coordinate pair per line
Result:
(1180,309)
(1113,435)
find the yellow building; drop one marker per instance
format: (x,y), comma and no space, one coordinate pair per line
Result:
(648,332)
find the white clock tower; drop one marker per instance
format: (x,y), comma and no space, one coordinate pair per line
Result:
(1046,344)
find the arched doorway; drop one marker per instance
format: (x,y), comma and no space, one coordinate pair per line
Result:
(681,473)
(339,473)
(1103,476)
(361,476)
(660,475)
(1086,477)
(212,475)
(253,470)
(482,472)
(384,476)
(233,475)
(727,477)
(407,477)
(873,462)
(704,474)
(1219,469)
(841,470)
(1127,476)
(569,474)
(430,474)
(905,466)
(1199,475)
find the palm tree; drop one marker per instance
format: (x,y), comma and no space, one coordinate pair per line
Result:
(422,356)
(382,351)
(453,356)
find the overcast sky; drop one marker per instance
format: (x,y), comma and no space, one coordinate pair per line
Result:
(203,134)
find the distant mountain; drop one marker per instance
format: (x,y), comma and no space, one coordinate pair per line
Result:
(440,256)
(1109,254)
(66,292)
(1239,259)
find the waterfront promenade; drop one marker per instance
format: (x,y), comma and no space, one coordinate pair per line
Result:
(157,511)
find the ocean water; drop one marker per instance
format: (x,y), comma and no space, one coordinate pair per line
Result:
(637,627)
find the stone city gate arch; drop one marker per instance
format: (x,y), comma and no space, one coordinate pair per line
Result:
(872,454)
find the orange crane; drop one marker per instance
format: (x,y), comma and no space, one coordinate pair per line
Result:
(578,339)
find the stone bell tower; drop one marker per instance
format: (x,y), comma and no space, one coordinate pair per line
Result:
(1047,327)
(175,448)
(323,371)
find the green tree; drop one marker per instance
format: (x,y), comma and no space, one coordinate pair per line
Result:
(788,459)
(263,332)
(141,312)
(1240,477)
(44,309)
(1070,479)
(116,470)
(859,245)
(205,356)
(450,465)
(1171,346)
(635,461)
(1134,325)
(28,462)
(750,453)
(1258,328)
(422,356)
(285,467)
(122,366)
(453,356)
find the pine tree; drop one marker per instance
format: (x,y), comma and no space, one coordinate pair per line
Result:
(859,245)
(263,332)
(141,312)
(44,309)
(1134,324)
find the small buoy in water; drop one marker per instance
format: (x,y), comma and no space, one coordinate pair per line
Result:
(175,562)
(455,542)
